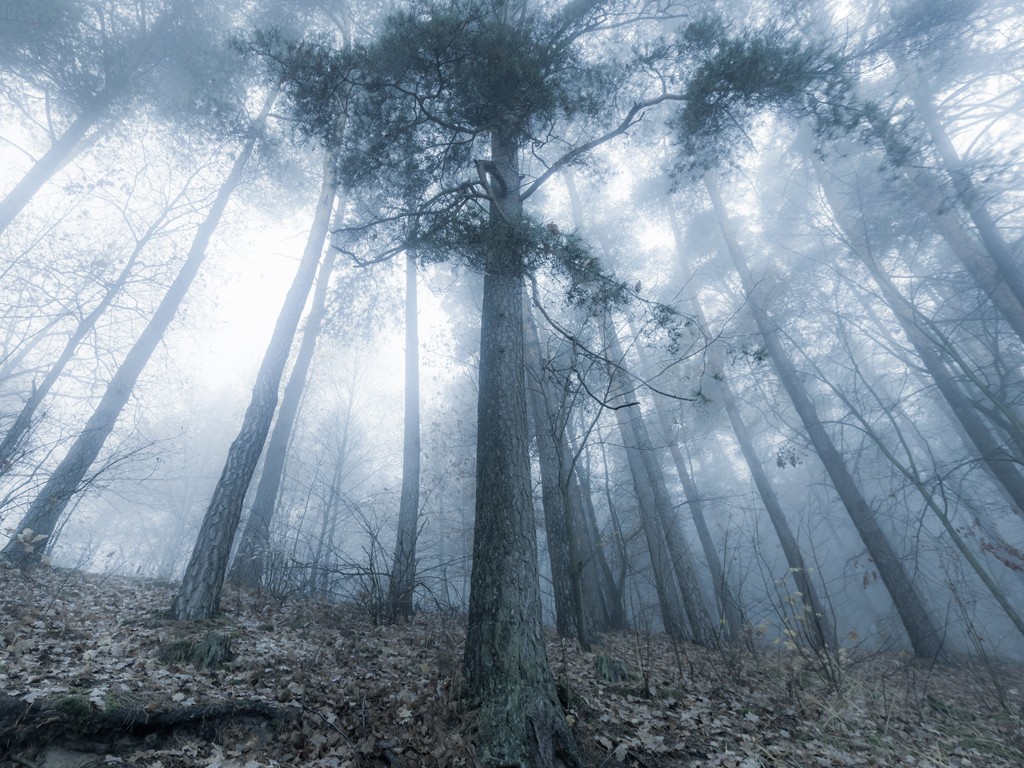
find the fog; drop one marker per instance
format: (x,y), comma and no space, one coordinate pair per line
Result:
(775,390)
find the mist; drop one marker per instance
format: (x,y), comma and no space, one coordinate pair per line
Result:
(699,320)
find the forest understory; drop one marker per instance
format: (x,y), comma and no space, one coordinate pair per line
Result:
(93,673)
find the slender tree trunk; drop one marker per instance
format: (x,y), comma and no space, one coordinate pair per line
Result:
(612,591)
(666,591)
(583,548)
(966,248)
(328,519)
(617,530)
(250,559)
(403,570)
(820,628)
(17,432)
(570,612)
(925,637)
(199,594)
(62,150)
(1007,265)
(45,511)
(729,607)
(640,452)
(999,460)
(506,668)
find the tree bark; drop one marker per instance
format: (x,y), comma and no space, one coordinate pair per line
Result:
(45,511)
(199,594)
(403,569)
(506,669)
(925,638)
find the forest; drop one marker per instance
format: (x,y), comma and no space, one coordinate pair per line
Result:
(508,383)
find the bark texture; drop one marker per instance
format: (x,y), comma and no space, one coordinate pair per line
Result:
(251,557)
(506,669)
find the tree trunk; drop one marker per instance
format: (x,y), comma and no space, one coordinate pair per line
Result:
(819,626)
(17,432)
(652,491)
(925,637)
(570,611)
(612,591)
(966,248)
(44,512)
(998,250)
(506,669)
(199,594)
(403,569)
(60,152)
(729,607)
(250,558)
(583,548)
(999,461)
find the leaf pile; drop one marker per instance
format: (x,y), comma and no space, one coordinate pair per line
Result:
(309,684)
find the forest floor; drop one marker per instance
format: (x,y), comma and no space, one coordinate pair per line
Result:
(92,672)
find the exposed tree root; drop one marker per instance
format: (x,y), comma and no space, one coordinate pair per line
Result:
(72,719)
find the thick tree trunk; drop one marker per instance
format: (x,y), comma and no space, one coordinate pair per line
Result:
(403,569)
(250,558)
(925,638)
(506,669)
(199,594)
(570,612)
(45,511)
